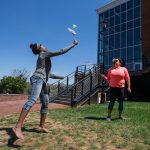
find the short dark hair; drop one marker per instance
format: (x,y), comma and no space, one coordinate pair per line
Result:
(34,48)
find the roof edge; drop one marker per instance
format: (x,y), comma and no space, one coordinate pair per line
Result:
(110,5)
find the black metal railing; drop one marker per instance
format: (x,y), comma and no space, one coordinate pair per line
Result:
(62,86)
(85,87)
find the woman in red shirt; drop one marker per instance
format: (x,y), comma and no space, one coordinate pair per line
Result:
(117,76)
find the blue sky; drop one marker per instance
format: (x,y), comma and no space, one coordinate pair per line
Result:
(46,21)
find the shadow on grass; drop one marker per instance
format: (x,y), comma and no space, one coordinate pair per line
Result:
(31,130)
(99,118)
(13,139)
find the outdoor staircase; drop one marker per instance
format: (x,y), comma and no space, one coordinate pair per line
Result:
(78,87)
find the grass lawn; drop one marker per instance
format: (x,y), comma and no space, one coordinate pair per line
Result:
(82,128)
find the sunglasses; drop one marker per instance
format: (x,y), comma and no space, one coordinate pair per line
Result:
(115,60)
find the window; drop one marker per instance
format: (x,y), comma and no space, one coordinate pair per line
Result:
(130,54)
(101,17)
(117,10)
(123,39)
(111,30)
(130,4)
(137,53)
(137,12)
(117,41)
(116,53)
(106,14)
(136,3)
(123,27)
(130,38)
(137,66)
(123,54)
(111,42)
(117,19)
(106,58)
(111,22)
(130,25)
(123,7)
(130,14)
(137,36)
(106,43)
(112,12)
(123,17)
(130,67)
(137,22)
(110,57)
(117,28)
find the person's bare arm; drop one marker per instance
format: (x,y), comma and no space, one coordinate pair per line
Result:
(53,76)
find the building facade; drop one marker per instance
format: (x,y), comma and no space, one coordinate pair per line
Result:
(124,32)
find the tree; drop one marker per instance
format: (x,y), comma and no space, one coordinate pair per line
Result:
(12,85)
(20,73)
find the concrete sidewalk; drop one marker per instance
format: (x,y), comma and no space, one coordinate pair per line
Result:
(9,107)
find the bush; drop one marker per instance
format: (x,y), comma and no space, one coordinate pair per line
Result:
(12,85)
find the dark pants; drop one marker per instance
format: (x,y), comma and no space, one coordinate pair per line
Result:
(116,93)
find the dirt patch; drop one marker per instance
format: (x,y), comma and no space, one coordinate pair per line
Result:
(9,107)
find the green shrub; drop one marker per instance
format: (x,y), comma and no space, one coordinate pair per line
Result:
(12,85)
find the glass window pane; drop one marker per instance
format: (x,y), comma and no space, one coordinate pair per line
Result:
(136,3)
(137,22)
(117,19)
(123,27)
(137,12)
(123,54)
(106,32)
(130,14)
(130,4)
(129,54)
(111,42)
(111,22)
(101,17)
(106,43)
(123,39)
(106,15)
(130,38)
(137,36)
(116,54)
(130,67)
(130,25)
(117,41)
(110,57)
(111,30)
(112,12)
(117,28)
(106,58)
(123,7)
(137,53)
(117,9)
(123,17)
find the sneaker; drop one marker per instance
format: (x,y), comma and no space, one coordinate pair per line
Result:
(108,119)
(122,118)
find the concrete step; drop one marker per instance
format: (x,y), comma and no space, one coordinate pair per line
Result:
(62,102)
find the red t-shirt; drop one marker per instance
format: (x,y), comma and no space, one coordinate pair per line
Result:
(117,76)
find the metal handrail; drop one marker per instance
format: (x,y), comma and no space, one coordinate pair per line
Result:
(83,85)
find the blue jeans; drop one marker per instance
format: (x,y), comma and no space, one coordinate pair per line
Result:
(38,89)
(116,93)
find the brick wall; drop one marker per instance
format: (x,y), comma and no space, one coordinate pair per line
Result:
(146,32)
(12,97)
